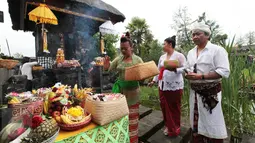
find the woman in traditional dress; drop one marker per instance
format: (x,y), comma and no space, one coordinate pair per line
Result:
(170,83)
(129,88)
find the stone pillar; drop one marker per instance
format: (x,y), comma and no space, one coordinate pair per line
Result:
(5,74)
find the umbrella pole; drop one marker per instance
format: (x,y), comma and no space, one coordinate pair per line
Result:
(42,37)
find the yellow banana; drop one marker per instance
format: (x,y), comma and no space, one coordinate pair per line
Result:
(75,89)
(16,100)
(66,120)
(46,104)
(85,118)
(45,107)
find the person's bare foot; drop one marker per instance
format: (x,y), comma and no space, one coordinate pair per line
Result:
(165,131)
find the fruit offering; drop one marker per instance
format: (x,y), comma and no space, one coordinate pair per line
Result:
(56,99)
(83,93)
(171,64)
(60,57)
(99,61)
(73,115)
(68,64)
(16,98)
(42,91)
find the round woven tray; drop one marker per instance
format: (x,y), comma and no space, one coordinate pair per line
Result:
(7,63)
(72,127)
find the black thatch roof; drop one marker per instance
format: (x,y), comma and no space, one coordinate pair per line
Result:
(103,6)
(19,10)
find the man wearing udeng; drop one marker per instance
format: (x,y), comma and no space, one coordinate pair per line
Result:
(207,63)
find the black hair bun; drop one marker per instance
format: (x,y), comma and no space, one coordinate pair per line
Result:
(127,35)
(173,38)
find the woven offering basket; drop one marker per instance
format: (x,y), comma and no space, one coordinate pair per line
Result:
(37,68)
(35,108)
(72,127)
(141,71)
(8,64)
(104,112)
(171,64)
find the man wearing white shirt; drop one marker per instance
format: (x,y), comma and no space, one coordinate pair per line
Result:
(207,63)
(26,69)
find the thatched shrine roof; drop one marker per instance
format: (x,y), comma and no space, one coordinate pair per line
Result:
(73,15)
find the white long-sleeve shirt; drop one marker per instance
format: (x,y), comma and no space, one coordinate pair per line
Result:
(26,69)
(171,80)
(212,58)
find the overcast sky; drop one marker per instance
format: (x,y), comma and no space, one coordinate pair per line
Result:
(233,16)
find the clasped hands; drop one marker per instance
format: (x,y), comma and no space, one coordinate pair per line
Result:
(193,76)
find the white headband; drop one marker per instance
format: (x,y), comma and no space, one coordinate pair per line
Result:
(202,27)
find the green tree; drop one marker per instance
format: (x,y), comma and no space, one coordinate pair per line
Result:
(17,55)
(155,51)
(181,24)
(110,41)
(216,36)
(220,39)
(240,41)
(250,38)
(140,34)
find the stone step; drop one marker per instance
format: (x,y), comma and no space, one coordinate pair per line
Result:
(159,137)
(151,129)
(144,111)
(183,137)
(150,124)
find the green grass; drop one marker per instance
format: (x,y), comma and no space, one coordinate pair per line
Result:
(150,98)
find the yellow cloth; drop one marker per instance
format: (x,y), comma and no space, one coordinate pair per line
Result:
(67,134)
(45,44)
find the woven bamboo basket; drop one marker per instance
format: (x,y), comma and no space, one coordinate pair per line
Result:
(104,112)
(8,64)
(73,127)
(141,71)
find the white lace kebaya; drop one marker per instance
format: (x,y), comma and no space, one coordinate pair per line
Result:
(171,80)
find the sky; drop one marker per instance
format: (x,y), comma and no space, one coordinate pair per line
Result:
(235,17)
